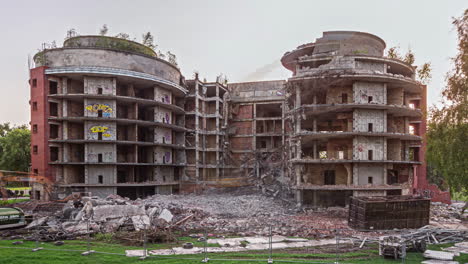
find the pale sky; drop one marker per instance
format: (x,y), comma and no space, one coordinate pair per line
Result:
(236,37)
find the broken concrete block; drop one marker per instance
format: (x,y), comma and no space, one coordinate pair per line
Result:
(135,253)
(37,222)
(104,212)
(439,255)
(166,215)
(434,261)
(113,224)
(141,222)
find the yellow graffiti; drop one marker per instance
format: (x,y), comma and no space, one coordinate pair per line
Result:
(106,135)
(97,129)
(96,107)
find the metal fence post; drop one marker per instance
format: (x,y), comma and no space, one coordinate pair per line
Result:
(270,244)
(205,250)
(145,237)
(37,248)
(337,245)
(88,242)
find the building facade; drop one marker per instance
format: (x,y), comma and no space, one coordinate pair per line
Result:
(110,117)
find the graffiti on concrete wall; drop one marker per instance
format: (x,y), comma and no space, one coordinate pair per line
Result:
(101,129)
(95,108)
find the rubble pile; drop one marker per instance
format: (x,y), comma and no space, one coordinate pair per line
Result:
(242,213)
(444,213)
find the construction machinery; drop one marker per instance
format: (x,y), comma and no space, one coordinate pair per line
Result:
(20,176)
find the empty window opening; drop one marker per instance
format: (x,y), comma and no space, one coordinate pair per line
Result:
(53,87)
(263,144)
(99,136)
(99,90)
(54,154)
(344,98)
(370,99)
(100,179)
(53,109)
(370,154)
(411,130)
(370,180)
(34,83)
(411,105)
(35,171)
(370,127)
(34,106)
(99,113)
(53,131)
(329,177)
(35,149)
(34,129)
(99,157)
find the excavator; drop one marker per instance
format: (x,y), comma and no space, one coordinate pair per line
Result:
(20,176)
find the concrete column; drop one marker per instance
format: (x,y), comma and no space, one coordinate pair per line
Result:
(217,131)
(315,124)
(254,125)
(299,197)
(65,85)
(385,173)
(315,150)
(315,99)
(197,128)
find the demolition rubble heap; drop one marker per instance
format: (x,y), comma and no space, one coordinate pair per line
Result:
(110,117)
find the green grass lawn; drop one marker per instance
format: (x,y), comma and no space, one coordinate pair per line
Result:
(52,255)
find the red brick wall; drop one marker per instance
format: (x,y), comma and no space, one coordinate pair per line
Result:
(39,117)
(241,143)
(245,111)
(242,128)
(420,181)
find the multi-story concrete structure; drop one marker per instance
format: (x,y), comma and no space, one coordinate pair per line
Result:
(356,117)
(109,117)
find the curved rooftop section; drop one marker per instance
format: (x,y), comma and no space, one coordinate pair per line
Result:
(108,43)
(109,52)
(337,43)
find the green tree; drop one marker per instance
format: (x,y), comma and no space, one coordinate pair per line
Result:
(409,57)
(447,136)
(394,53)
(15,149)
(103,31)
(148,40)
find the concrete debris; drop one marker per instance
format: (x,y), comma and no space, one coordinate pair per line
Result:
(433,261)
(166,215)
(136,253)
(439,255)
(37,222)
(453,213)
(240,212)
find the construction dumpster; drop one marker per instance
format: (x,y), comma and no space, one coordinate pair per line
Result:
(388,212)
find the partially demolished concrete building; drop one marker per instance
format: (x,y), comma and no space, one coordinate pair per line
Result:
(110,117)
(356,116)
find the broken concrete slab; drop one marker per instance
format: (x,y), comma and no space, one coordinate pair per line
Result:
(141,222)
(37,222)
(439,255)
(434,261)
(166,215)
(136,253)
(104,212)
